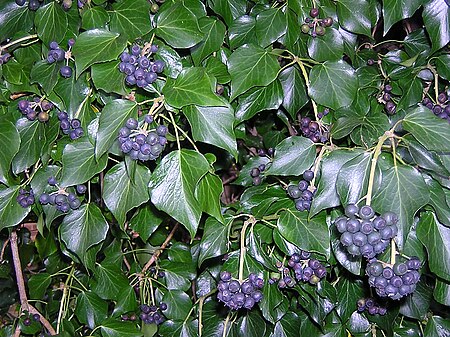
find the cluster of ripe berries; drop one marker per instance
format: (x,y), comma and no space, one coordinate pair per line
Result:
(33,5)
(237,295)
(314,25)
(302,193)
(141,144)
(151,314)
(255,173)
(304,269)
(4,58)
(363,232)
(386,99)
(441,108)
(35,109)
(371,306)
(70,127)
(312,130)
(394,281)
(62,200)
(57,54)
(139,66)
(25,198)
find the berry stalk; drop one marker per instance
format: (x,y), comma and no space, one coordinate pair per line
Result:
(247,222)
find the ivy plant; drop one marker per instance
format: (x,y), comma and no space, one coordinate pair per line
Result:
(224,168)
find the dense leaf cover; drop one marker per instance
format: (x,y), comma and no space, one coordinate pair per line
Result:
(224,168)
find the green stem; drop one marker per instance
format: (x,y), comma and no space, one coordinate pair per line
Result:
(63,299)
(247,222)
(317,164)
(176,130)
(183,133)
(12,43)
(373,165)
(306,78)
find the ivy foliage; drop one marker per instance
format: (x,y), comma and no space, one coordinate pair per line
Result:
(251,97)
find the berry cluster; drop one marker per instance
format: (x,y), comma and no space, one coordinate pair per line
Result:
(263,152)
(371,306)
(363,232)
(33,5)
(29,320)
(36,109)
(302,193)
(394,281)
(25,198)
(56,54)
(4,58)
(62,200)
(313,130)
(70,127)
(236,295)
(386,99)
(151,314)
(304,269)
(255,173)
(314,25)
(441,108)
(141,144)
(139,66)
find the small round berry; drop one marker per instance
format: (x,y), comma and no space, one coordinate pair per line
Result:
(52,181)
(442,98)
(27,321)
(320,31)
(81,189)
(327,22)
(314,12)
(65,71)
(305,28)
(388,88)
(366,212)
(351,210)
(131,123)
(161,130)
(308,175)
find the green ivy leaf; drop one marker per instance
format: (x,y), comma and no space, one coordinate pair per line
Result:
(208,193)
(14,19)
(273,18)
(172,60)
(439,201)
(38,284)
(293,156)
(106,76)
(113,328)
(192,86)
(96,46)
(426,159)
(327,47)
(412,93)
(442,292)
(178,26)
(11,212)
(130,18)
(10,144)
(353,178)
(214,33)
(91,309)
(114,116)
(179,328)
(146,221)
(288,325)
(394,11)
(79,163)
(73,92)
(251,66)
(326,195)
(348,294)
(214,240)
(437,326)
(418,303)
(431,131)
(83,228)
(172,186)
(121,194)
(436,16)
(312,235)
(402,191)
(435,238)
(45,74)
(294,90)
(126,302)
(32,134)
(242,31)
(180,304)
(109,281)
(333,84)
(229,10)
(51,23)
(272,299)
(263,98)
(356,16)
(94,17)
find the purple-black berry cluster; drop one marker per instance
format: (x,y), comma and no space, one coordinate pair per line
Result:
(255,173)
(152,314)
(33,5)
(70,127)
(36,109)
(302,268)
(394,281)
(62,200)
(371,306)
(314,25)
(25,198)
(441,108)
(57,54)
(237,295)
(302,193)
(386,99)
(313,130)
(141,144)
(139,66)
(363,232)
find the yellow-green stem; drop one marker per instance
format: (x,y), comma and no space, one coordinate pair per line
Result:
(306,78)
(12,43)
(373,166)
(317,164)
(249,221)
